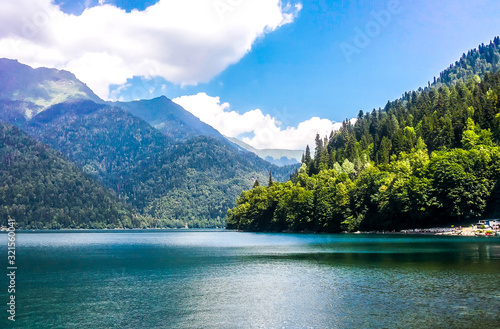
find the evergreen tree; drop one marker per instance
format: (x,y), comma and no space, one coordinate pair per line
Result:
(307,156)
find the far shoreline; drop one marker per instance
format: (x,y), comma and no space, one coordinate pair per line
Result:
(458,232)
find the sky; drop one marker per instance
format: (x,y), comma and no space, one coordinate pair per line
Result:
(271,73)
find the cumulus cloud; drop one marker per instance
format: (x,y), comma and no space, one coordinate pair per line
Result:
(183,41)
(267,131)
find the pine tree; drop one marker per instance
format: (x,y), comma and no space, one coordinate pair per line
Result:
(319,146)
(307,157)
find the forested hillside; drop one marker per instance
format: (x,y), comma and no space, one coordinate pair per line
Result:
(41,189)
(486,58)
(430,158)
(171,183)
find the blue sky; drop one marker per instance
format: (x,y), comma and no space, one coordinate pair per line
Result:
(301,68)
(309,65)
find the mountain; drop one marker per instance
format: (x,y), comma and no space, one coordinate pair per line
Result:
(25,91)
(41,189)
(430,158)
(169,118)
(182,172)
(157,171)
(152,172)
(107,142)
(175,122)
(277,157)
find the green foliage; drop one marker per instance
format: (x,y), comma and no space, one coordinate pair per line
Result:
(254,211)
(464,179)
(41,190)
(486,58)
(412,191)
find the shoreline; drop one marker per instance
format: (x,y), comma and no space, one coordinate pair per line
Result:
(21,230)
(465,232)
(460,231)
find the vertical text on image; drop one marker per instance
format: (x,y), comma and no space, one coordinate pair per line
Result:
(11,269)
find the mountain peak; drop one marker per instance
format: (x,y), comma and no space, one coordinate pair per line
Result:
(8,60)
(169,118)
(35,90)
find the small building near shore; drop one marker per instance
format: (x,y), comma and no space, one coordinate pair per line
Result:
(494,223)
(489,223)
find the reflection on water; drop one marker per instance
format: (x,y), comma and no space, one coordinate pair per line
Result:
(217,279)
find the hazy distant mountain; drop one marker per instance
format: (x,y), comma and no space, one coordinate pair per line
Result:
(25,91)
(169,118)
(277,157)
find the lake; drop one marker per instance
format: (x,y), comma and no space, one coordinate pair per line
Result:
(223,279)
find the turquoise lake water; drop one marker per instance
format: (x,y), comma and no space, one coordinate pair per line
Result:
(220,279)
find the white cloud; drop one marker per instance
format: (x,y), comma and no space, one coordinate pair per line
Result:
(183,41)
(267,130)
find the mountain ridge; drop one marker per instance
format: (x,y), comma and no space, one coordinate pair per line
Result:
(279,157)
(169,118)
(145,167)
(38,89)
(51,86)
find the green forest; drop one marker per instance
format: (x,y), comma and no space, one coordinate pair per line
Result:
(41,189)
(430,158)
